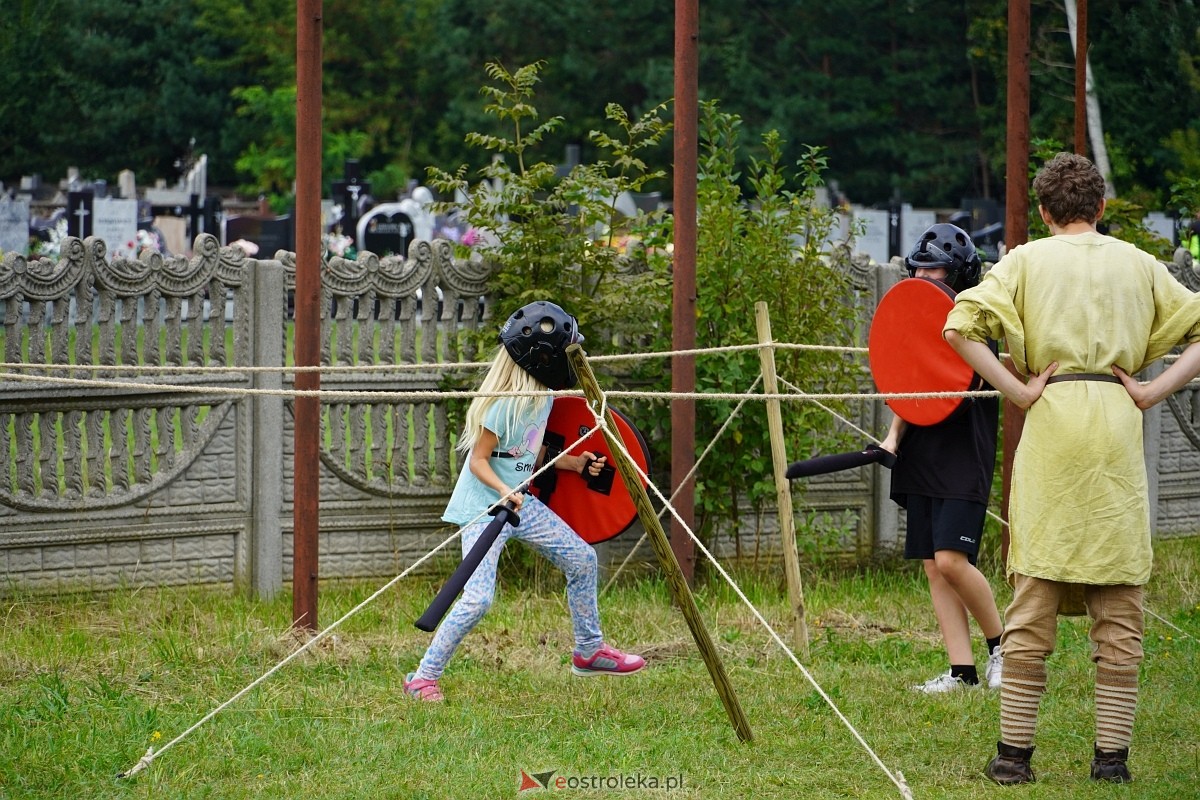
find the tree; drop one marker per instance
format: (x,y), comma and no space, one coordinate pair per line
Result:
(107,85)
(902,96)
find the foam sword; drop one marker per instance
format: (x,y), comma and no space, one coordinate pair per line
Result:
(503,514)
(871,454)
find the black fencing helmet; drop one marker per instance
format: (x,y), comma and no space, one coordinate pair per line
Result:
(537,336)
(949,246)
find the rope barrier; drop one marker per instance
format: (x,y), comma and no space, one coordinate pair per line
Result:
(898,778)
(429,395)
(152,754)
(217,370)
(733,348)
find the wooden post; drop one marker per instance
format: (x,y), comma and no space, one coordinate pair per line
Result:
(783,487)
(1081,60)
(306,481)
(683,289)
(662,548)
(1016,214)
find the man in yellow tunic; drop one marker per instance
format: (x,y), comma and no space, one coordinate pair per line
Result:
(1074,309)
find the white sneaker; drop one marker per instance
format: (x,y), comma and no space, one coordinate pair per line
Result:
(994,670)
(941,684)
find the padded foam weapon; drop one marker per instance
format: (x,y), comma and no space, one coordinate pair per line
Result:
(503,515)
(871,454)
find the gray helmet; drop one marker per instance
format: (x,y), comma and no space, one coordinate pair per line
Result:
(949,246)
(537,336)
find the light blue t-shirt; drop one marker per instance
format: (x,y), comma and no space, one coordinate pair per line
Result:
(520,442)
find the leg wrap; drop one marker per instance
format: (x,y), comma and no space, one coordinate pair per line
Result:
(1021,692)
(1116,699)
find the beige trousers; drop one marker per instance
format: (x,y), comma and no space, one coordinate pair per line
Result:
(1031,621)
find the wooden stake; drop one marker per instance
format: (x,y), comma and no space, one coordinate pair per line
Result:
(783,487)
(662,547)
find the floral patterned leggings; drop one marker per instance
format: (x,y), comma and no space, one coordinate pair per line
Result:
(545,531)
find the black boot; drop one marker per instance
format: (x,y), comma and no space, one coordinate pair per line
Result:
(1110,766)
(1011,765)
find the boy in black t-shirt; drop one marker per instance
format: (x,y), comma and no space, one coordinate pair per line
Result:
(942,478)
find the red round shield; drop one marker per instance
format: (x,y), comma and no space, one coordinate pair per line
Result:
(598,509)
(908,354)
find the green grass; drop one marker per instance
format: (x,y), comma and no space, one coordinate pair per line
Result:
(87,683)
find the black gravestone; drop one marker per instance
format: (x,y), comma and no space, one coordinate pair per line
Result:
(269,233)
(386,232)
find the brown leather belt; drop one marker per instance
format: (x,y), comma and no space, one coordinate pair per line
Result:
(1083,376)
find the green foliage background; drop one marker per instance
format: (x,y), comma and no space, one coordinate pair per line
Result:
(903,96)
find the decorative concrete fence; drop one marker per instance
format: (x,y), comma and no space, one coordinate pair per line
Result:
(148,429)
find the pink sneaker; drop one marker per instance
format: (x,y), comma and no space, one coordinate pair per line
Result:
(422,689)
(606,661)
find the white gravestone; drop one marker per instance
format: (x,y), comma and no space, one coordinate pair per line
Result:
(115,222)
(913,222)
(874,237)
(14,226)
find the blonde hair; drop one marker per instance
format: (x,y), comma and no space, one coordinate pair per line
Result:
(502,376)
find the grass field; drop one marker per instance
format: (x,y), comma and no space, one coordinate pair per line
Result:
(87,683)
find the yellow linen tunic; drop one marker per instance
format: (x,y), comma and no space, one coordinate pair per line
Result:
(1079,508)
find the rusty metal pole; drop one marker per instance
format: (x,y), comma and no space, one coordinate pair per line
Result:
(683,300)
(306,486)
(1081,46)
(1016,216)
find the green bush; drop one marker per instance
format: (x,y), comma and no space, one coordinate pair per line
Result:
(763,236)
(765,242)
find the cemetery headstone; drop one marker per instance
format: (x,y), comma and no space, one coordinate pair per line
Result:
(874,239)
(1161,224)
(417,207)
(984,212)
(350,191)
(913,222)
(115,223)
(79,214)
(271,234)
(126,184)
(14,226)
(386,230)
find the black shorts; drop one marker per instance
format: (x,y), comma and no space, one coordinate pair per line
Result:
(937,524)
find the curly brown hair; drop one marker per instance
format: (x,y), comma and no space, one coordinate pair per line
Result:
(1070,188)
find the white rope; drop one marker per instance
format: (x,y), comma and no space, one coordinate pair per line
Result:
(189,369)
(1170,624)
(152,754)
(797,397)
(696,466)
(232,391)
(430,395)
(431,366)
(898,777)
